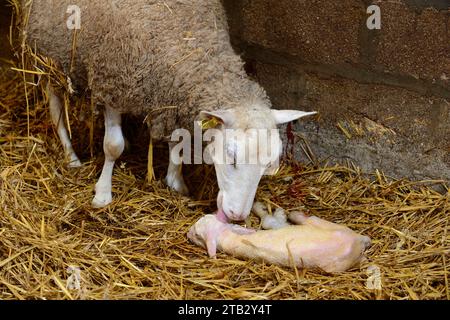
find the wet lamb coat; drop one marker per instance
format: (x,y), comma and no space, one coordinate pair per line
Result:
(167,59)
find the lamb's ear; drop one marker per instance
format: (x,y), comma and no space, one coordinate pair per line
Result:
(219,117)
(211,243)
(285,116)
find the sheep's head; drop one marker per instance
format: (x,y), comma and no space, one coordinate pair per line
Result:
(245,146)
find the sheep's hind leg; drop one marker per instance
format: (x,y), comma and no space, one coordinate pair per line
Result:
(174,178)
(113,146)
(56,113)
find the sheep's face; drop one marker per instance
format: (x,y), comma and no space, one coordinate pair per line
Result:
(238,177)
(247,146)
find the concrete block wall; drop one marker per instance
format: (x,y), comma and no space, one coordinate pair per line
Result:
(383,94)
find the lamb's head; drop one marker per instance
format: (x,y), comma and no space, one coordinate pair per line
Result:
(245,146)
(205,232)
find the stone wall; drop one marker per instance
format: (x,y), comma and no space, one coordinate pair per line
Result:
(383,95)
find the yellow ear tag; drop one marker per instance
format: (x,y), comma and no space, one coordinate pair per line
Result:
(274,171)
(277,171)
(210,123)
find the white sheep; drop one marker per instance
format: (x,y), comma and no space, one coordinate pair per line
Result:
(311,243)
(169,60)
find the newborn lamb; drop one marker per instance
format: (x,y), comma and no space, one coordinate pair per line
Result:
(311,243)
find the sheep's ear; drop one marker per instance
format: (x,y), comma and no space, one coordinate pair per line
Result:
(212,119)
(285,116)
(211,243)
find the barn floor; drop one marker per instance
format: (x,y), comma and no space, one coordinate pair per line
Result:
(137,248)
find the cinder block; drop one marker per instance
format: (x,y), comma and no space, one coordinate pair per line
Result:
(317,31)
(390,128)
(415,43)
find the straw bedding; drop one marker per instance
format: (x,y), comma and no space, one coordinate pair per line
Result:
(137,248)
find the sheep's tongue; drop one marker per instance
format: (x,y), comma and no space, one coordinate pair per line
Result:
(221,216)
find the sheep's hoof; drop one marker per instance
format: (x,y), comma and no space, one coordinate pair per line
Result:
(178,185)
(74,162)
(183,190)
(101,201)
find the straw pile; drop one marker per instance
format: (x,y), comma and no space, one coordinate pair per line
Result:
(137,248)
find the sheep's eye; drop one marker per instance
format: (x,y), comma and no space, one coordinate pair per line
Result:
(232,156)
(234,162)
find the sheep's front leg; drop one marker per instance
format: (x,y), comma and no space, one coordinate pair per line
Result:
(174,178)
(113,146)
(56,113)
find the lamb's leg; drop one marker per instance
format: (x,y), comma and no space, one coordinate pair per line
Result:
(56,113)
(268,222)
(113,146)
(300,218)
(174,178)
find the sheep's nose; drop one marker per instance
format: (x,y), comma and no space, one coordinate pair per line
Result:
(235,216)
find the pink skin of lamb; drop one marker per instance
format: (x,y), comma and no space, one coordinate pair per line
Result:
(329,246)
(208,229)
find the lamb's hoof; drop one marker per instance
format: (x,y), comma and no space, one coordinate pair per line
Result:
(273,223)
(178,185)
(280,215)
(260,210)
(298,217)
(101,201)
(366,241)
